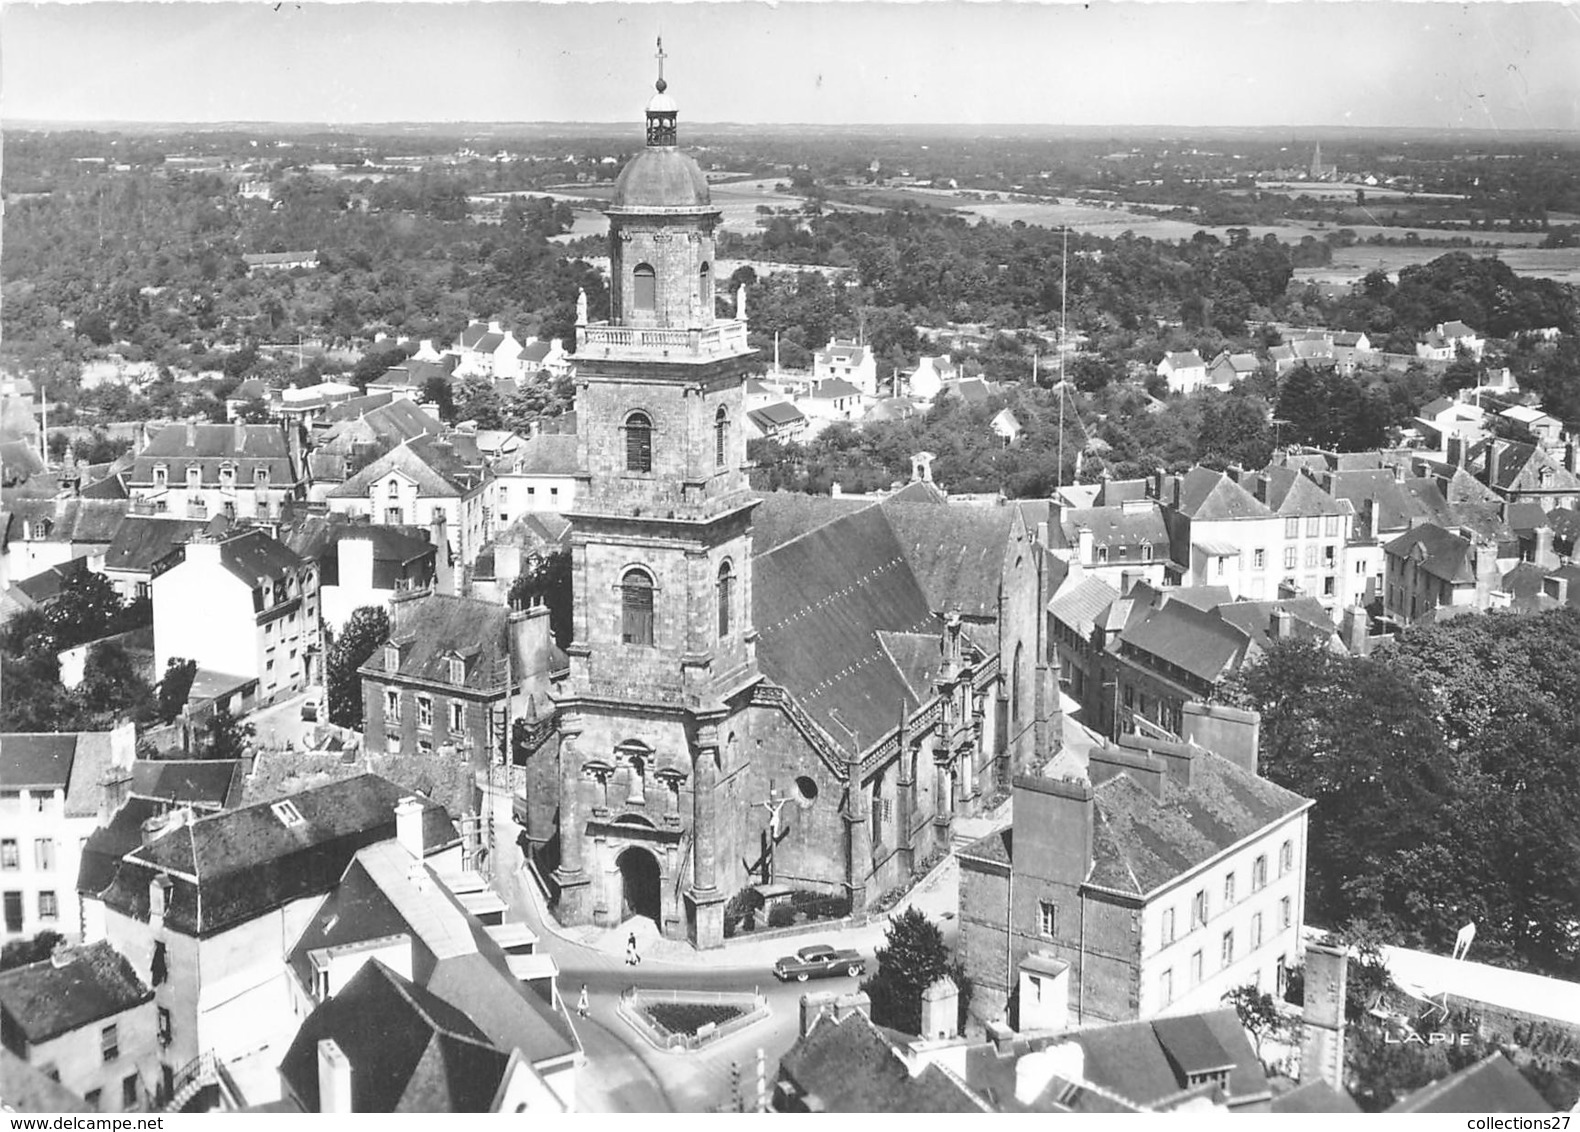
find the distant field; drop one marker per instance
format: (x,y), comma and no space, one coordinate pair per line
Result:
(1326,190)
(1350,264)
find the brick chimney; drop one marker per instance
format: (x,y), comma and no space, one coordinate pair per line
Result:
(1228,732)
(1494,460)
(408,825)
(191,434)
(1455,451)
(1085,550)
(238,434)
(1281,624)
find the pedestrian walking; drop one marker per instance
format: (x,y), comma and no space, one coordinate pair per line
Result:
(581,1003)
(631,956)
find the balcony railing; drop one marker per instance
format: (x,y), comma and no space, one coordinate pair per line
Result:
(600,339)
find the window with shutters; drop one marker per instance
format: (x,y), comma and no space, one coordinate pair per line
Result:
(638,443)
(1047,918)
(636,608)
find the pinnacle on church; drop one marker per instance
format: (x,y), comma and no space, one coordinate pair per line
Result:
(661,86)
(661,110)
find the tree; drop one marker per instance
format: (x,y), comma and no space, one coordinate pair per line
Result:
(86,609)
(913,959)
(253,411)
(436,392)
(1259,1013)
(479,401)
(21,952)
(1233,430)
(174,687)
(547,578)
(366,629)
(111,684)
(225,736)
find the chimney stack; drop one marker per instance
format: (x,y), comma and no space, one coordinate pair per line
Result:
(1322,1043)
(1054,818)
(334,1078)
(239,435)
(191,434)
(408,825)
(1494,458)
(941,1010)
(1085,551)
(1282,624)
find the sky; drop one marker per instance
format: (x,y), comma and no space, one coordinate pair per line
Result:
(1362,63)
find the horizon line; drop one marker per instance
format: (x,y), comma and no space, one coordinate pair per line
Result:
(107,123)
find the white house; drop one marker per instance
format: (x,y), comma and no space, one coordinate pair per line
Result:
(848,361)
(242,605)
(539,476)
(927,379)
(1185,372)
(416,483)
(488,350)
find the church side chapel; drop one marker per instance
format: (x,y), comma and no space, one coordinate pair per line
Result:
(761,691)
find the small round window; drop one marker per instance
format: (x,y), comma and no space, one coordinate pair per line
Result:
(806,790)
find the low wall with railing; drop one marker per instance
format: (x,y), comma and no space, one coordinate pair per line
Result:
(634,1002)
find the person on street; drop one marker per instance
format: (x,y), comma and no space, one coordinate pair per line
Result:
(631,956)
(581,1003)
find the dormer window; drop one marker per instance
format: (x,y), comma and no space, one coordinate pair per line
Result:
(194,478)
(261,477)
(457,670)
(227,475)
(391,658)
(161,475)
(287,813)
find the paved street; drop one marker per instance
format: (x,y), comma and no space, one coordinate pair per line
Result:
(282,722)
(624,1072)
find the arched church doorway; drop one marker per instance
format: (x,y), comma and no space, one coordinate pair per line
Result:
(640,885)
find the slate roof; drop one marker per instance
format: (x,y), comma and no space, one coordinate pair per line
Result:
(433,627)
(1146,1062)
(471,335)
(1141,843)
(537,530)
(918,657)
(1294,493)
(26,1088)
(1188,359)
(956,551)
(213,783)
(261,446)
(1315,1095)
(410,1051)
(43,1001)
(1201,643)
(1206,495)
(818,602)
(832,388)
(547,454)
(110,842)
(249,861)
(784,515)
(1116,528)
(141,543)
(81,520)
(1081,605)
(851,1066)
(535,351)
(48,582)
(435,475)
(776,415)
(1445,554)
(37,760)
(318,537)
(1493,1084)
(842,353)
(356,407)
(1308,619)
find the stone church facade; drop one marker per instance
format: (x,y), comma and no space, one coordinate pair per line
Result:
(747,669)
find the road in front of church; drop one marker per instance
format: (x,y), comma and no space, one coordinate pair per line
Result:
(624,1073)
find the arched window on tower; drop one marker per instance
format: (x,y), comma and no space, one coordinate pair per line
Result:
(638,443)
(705,292)
(726,598)
(644,294)
(636,608)
(721,437)
(1014,688)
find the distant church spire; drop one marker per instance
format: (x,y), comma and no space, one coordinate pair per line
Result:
(661,111)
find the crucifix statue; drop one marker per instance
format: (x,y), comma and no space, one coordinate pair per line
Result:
(774,804)
(660,58)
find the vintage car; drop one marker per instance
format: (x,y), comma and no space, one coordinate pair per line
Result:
(819,961)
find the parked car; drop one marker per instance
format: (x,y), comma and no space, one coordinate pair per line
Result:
(310,709)
(819,961)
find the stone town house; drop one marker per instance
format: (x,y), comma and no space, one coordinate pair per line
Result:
(720,695)
(198,471)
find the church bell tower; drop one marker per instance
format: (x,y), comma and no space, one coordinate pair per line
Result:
(664,647)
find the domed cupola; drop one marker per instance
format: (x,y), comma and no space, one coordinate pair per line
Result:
(661,230)
(661,176)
